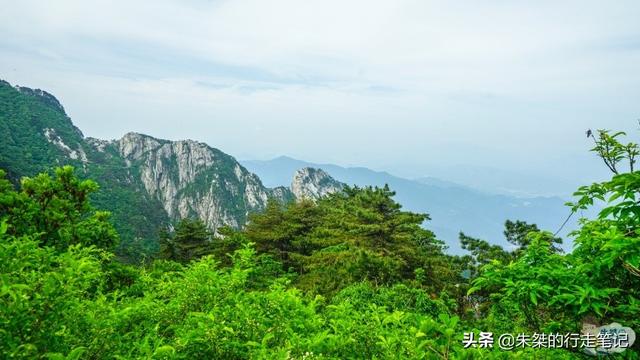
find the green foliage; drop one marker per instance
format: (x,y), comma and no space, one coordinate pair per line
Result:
(42,294)
(613,152)
(24,115)
(360,234)
(190,240)
(527,288)
(517,233)
(56,210)
(398,297)
(61,309)
(347,277)
(544,290)
(482,252)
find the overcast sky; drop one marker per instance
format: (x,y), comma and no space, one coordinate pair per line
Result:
(405,86)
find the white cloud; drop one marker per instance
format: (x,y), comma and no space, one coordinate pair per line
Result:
(516,78)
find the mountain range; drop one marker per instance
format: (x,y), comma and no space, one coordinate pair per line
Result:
(148,183)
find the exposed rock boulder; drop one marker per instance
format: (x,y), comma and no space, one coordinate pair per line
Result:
(310,183)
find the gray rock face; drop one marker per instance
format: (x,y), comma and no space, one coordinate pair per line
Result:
(98,144)
(310,183)
(192,179)
(75,154)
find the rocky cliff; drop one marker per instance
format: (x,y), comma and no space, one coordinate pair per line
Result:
(192,179)
(146,182)
(311,183)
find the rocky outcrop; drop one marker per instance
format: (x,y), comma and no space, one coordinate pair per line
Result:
(310,183)
(192,179)
(74,154)
(98,144)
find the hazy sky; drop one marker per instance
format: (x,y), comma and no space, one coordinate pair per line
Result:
(396,85)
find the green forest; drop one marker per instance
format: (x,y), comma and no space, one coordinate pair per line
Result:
(349,276)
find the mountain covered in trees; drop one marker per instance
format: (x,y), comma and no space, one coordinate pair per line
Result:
(147,183)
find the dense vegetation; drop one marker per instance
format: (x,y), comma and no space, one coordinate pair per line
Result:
(22,118)
(349,276)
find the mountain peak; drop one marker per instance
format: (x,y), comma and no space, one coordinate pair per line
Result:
(132,145)
(285,158)
(44,96)
(312,183)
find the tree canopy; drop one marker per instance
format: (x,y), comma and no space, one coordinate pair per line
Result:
(349,276)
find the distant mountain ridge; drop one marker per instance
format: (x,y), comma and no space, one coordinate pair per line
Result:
(451,206)
(145,182)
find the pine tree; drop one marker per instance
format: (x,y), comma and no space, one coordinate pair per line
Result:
(190,240)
